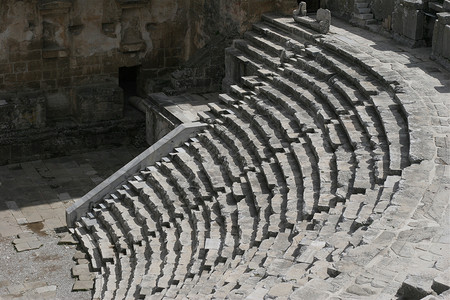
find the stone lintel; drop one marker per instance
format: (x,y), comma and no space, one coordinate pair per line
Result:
(133,47)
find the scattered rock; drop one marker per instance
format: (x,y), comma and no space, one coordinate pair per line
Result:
(26,241)
(83,285)
(67,239)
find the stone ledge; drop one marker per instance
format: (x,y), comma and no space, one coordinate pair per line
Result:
(148,157)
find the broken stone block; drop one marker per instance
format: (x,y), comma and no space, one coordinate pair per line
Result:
(360,290)
(26,241)
(301,10)
(324,19)
(79,270)
(79,255)
(320,24)
(83,285)
(441,283)
(67,240)
(46,289)
(415,287)
(281,290)
(212,244)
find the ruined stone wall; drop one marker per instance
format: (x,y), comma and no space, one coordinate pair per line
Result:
(211,27)
(58,45)
(70,51)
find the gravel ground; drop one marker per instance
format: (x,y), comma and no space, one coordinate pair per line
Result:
(51,264)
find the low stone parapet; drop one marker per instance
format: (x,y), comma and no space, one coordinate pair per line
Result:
(146,158)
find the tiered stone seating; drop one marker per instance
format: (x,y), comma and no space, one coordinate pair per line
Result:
(299,162)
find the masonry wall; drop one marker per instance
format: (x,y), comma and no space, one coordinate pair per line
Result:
(54,46)
(60,60)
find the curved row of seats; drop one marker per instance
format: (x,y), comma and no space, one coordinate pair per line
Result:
(300,156)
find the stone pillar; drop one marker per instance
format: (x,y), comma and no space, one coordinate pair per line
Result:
(441,36)
(408,22)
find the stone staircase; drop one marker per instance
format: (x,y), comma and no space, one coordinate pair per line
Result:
(363,14)
(300,164)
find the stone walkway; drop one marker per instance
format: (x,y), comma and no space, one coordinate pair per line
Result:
(33,199)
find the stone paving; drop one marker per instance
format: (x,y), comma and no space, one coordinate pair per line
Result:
(323,174)
(33,198)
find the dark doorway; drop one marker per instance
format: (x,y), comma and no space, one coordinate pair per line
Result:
(128,80)
(311,5)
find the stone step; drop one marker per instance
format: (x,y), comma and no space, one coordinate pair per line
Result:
(115,230)
(363,4)
(101,238)
(261,42)
(281,38)
(189,197)
(287,129)
(395,130)
(363,15)
(139,209)
(243,130)
(191,170)
(364,10)
(127,221)
(297,111)
(288,25)
(139,269)
(345,163)
(109,286)
(214,171)
(258,55)
(267,131)
(230,139)
(260,200)
(88,245)
(125,275)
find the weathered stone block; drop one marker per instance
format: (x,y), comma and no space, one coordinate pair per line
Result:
(441,36)
(446,5)
(415,287)
(22,111)
(413,24)
(446,42)
(100,102)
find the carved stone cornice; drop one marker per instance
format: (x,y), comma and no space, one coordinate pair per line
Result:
(54,6)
